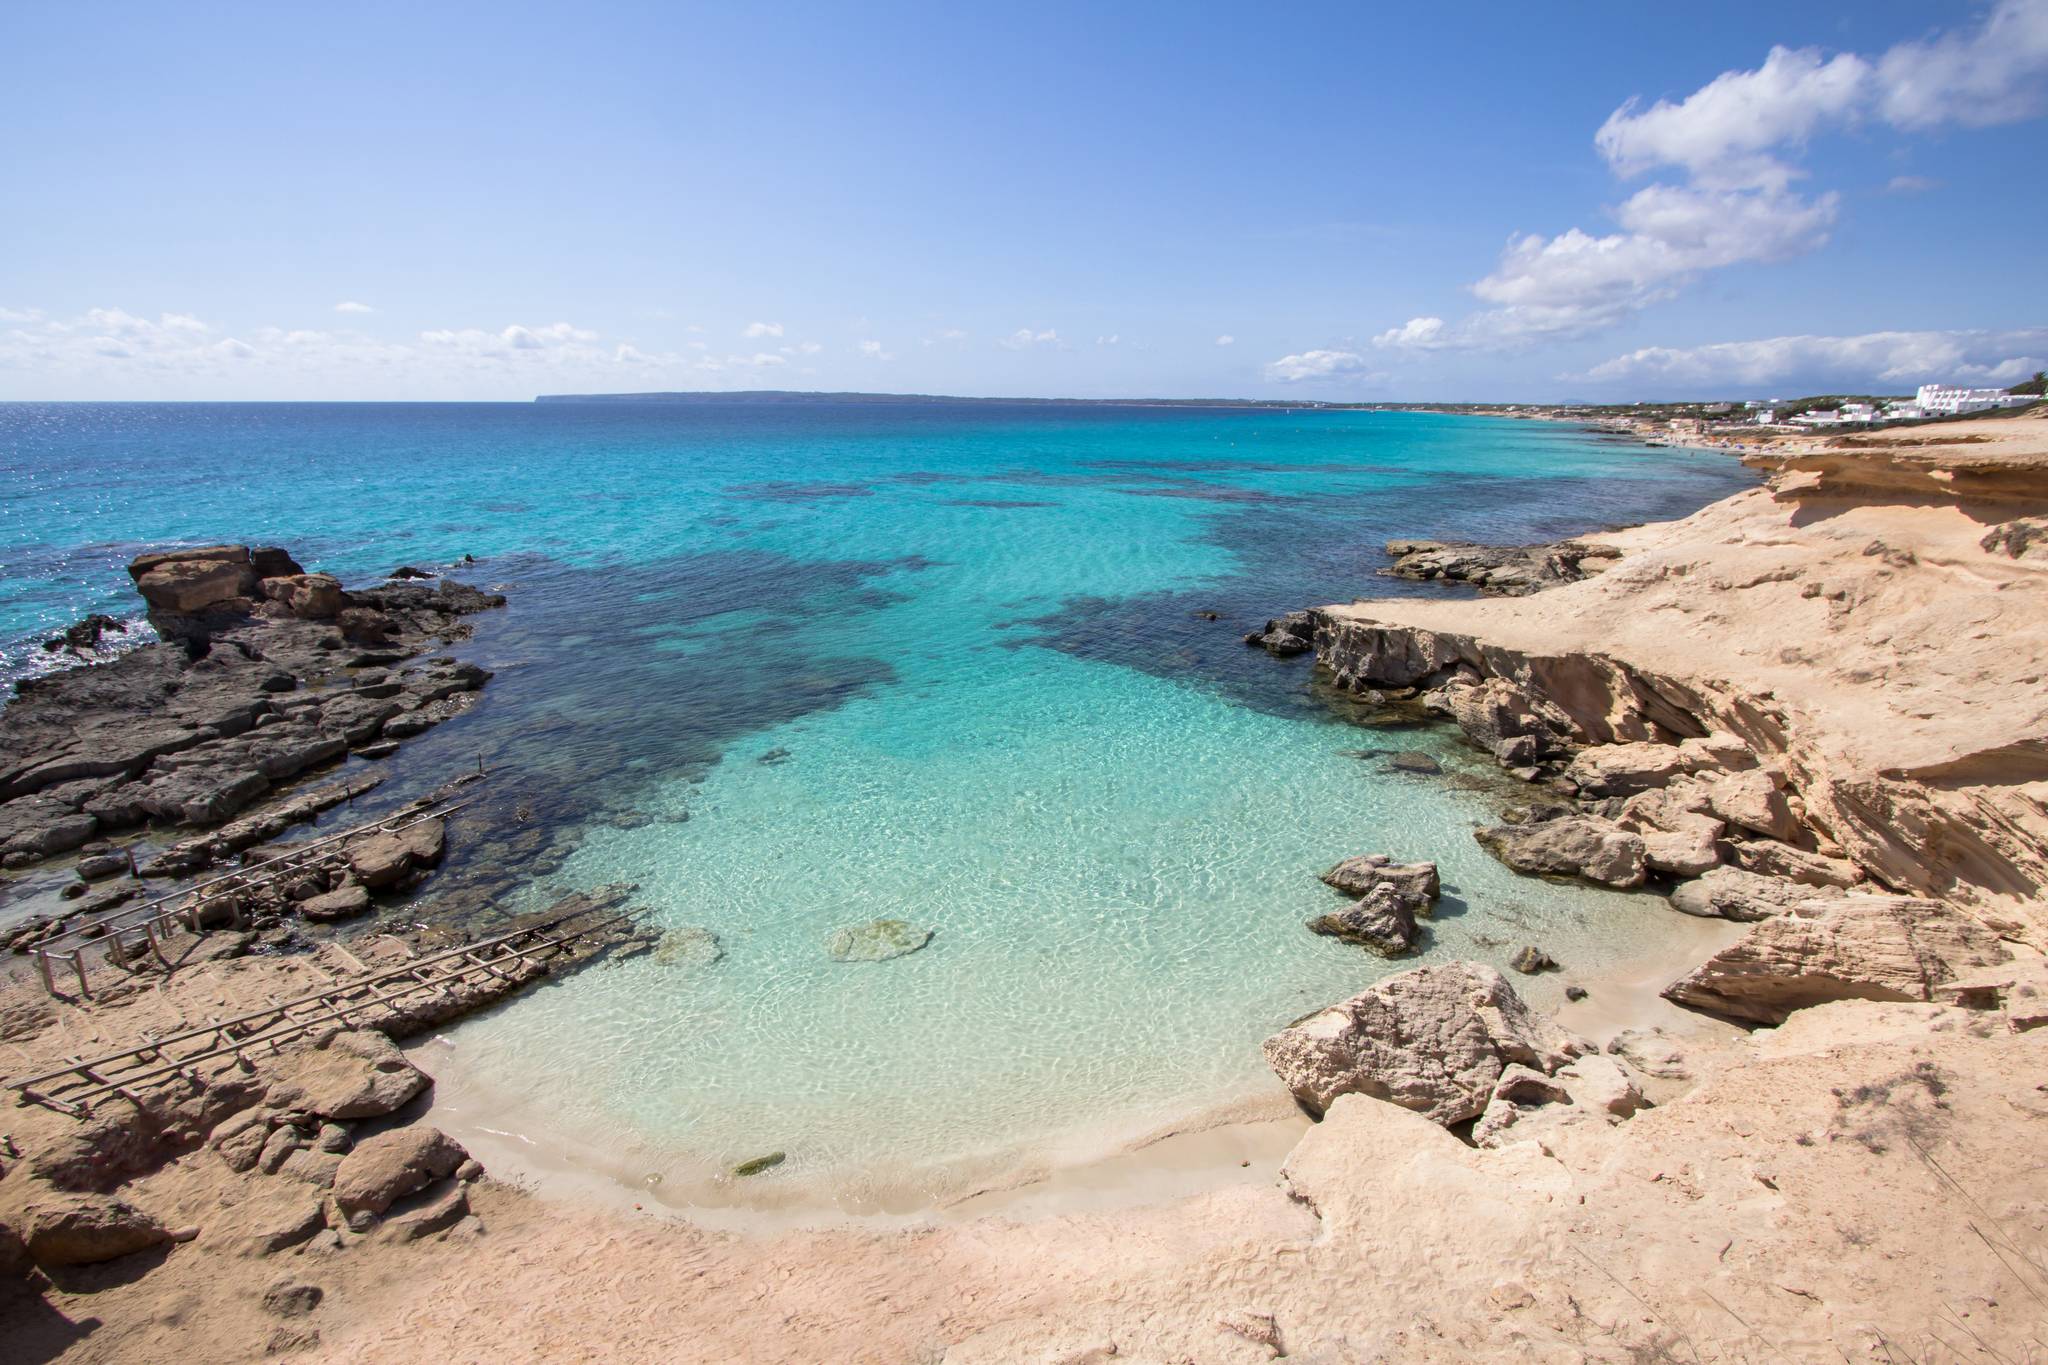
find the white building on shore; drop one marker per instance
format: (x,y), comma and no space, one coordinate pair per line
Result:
(1946,400)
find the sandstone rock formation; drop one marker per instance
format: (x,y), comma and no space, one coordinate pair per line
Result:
(383,1169)
(1572,846)
(1851,947)
(1433,1040)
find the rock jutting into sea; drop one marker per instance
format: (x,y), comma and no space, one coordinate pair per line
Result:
(264,673)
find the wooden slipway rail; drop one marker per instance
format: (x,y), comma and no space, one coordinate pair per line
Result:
(126,933)
(353,1003)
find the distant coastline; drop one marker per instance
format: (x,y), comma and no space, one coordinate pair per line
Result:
(800,397)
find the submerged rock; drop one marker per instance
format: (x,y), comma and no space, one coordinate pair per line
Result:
(690,947)
(759,1164)
(876,941)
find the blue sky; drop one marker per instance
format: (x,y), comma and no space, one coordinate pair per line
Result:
(1319,201)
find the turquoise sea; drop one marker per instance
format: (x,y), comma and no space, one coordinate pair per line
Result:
(792,668)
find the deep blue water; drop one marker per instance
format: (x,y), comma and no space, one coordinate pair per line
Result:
(948,664)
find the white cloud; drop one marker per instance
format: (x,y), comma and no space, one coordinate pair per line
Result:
(1729,140)
(1993,75)
(1724,132)
(808,348)
(1420,334)
(1024,339)
(873,350)
(755,330)
(21,315)
(1226,340)
(1311,365)
(112,353)
(1899,360)
(1110,340)
(1910,184)
(351,306)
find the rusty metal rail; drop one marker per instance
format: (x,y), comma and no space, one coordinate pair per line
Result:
(73,1087)
(116,930)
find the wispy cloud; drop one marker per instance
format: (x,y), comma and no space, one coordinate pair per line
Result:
(873,350)
(351,306)
(1895,359)
(114,353)
(1910,184)
(1226,340)
(1023,339)
(757,330)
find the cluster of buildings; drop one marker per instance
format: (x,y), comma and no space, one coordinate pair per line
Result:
(1933,400)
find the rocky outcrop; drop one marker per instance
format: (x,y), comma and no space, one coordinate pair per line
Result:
(1434,1040)
(252,687)
(1503,570)
(1287,635)
(1851,947)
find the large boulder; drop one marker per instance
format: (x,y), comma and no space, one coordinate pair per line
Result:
(1731,893)
(379,859)
(1839,948)
(1495,714)
(187,585)
(384,1169)
(1755,801)
(1625,769)
(1383,921)
(1769,858)
(308,596)
(1587,846)
(74,1227)
(1433,1040)
(1681,836)
(353,1075)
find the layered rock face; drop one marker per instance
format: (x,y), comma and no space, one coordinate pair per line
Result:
(266,672)
(1814,681)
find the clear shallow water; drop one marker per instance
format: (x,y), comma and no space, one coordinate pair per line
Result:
(969,643)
